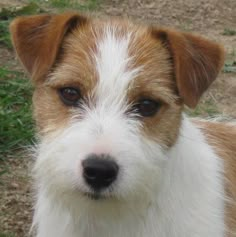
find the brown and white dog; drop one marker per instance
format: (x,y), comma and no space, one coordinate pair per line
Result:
(117,157)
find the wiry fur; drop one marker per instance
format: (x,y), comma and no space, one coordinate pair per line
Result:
(170,181)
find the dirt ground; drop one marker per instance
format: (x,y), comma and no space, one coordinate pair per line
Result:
(208,18)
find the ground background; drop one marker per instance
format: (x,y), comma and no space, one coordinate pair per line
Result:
(215,19)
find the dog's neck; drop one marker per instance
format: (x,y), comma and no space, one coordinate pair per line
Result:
(188,196)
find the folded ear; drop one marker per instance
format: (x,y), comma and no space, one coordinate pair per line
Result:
(196,62)
(37,39)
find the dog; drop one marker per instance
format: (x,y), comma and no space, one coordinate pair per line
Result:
(117,156)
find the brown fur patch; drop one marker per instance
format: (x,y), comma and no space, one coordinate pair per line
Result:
(222,137)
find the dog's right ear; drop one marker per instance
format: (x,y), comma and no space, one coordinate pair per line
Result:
(37,39)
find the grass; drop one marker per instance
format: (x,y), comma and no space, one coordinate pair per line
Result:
(6,235)
(229,32)
(207,108)
(74,4)
(230,67)
(62,5)
(4,35)
(230,64)
(15,112)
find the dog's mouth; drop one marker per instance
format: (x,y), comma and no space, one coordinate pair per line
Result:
(94,196)
(98,196)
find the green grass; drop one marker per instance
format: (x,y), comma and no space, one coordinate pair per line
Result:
(6,235)
(206,108)
(16,126)
(62,5)
(230,67)
(230,63)
(4,34)
(73,4)
(229,32)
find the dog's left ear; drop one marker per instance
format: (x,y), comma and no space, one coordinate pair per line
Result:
(37,39)
(196,62)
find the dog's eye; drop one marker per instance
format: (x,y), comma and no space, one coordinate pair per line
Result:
(70,96)
(147,107)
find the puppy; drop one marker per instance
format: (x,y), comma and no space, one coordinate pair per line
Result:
(117,157)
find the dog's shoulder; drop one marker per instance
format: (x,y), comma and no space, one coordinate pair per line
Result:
(222,137)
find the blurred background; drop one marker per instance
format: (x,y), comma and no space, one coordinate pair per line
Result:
(214,19)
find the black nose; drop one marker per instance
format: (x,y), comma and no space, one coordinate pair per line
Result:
(99,171)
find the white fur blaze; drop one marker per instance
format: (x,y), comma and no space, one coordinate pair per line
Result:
(113,64)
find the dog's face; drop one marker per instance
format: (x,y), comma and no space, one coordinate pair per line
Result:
(108,100)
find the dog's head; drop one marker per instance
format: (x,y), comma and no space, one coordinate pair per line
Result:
(108,99)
